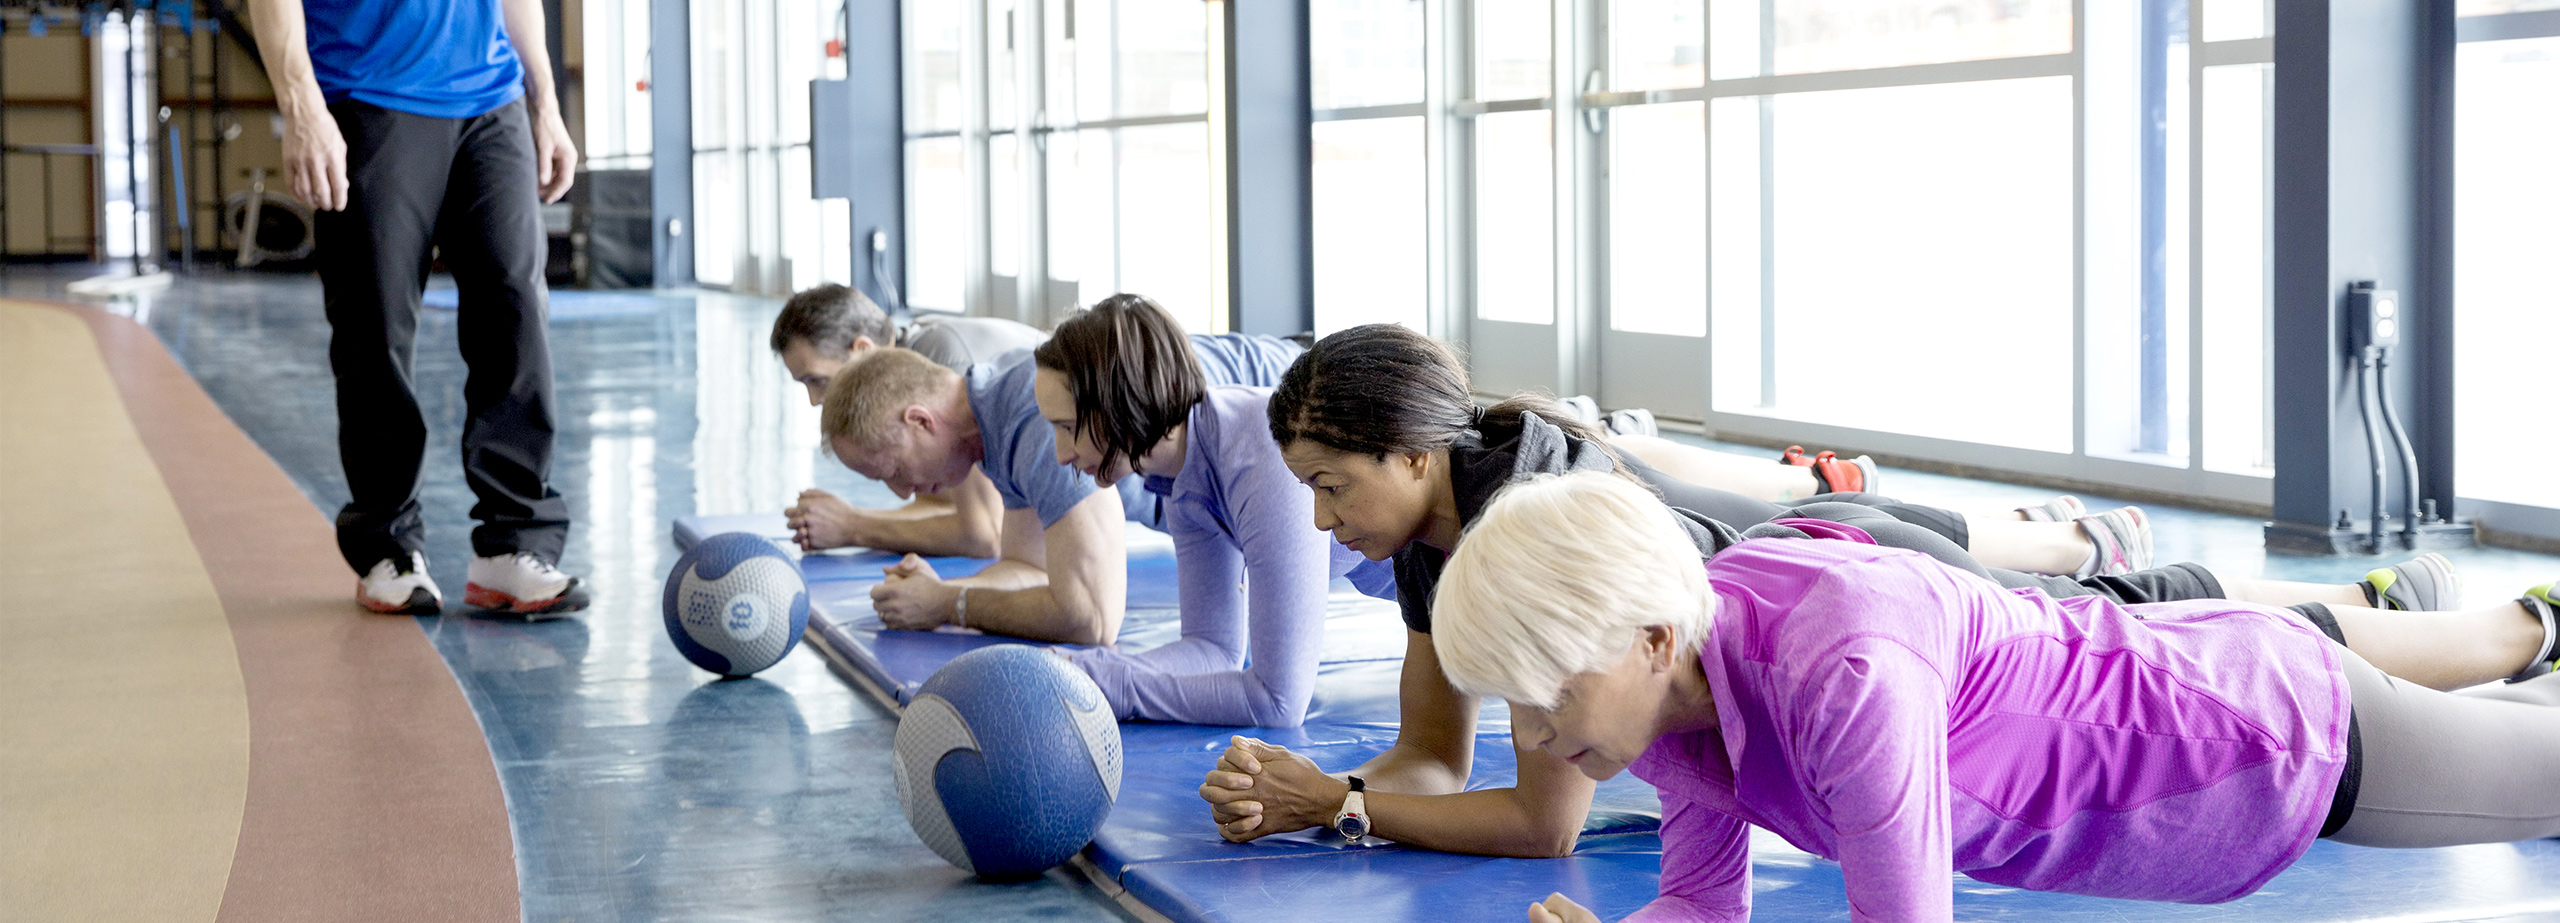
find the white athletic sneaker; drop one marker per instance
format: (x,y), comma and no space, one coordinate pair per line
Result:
(400,586)
(523,584)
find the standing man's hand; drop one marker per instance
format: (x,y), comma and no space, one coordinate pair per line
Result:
(315,154)
(556,156)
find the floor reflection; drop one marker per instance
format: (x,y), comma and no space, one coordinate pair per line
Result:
(639,786)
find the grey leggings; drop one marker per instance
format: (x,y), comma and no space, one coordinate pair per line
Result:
(2446,769)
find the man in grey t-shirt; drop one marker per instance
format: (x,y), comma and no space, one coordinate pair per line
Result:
(956,341)
(820,330)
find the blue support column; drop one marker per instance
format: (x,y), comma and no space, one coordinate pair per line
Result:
(878,148)
(2362,192)
(1270,174)
(671,141)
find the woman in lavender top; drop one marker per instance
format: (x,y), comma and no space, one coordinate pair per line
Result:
(1127,398)
(1877,707)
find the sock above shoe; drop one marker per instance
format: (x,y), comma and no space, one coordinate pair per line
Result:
(2542,602)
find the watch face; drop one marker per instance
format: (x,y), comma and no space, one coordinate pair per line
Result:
(1353,826)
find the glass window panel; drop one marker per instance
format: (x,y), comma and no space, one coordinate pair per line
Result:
(2505,192)
(1161,56)
(715,217)
(1657,229)
(937,225)
(1004,95)
(1657,44)
(1734,252)
(2225,20)
(2137,409)
(1922,261)
(1058,61)
(805,238)
(1365,52)
(1093,58)
(1369,259)
(2494,7)
(1831,35)
(1515,217)
(2234,269)
(1164,212)
(1734,39)
(934,98)
(1082,246)
(1513,46)
(1004,205)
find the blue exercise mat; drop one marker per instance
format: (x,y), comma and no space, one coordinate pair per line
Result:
(1151,568)
(1161,818)
(1613,875)
(569,303)
(1159,843)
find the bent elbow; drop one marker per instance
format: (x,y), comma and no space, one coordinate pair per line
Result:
(980,540)
(1551,844)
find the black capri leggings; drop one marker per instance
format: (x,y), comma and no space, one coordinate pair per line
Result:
(1935,532)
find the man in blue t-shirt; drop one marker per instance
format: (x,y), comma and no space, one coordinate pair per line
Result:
(413,125)
(1062,568)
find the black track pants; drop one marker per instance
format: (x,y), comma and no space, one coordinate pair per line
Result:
(468,187)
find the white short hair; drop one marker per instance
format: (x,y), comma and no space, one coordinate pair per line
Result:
(1556,578)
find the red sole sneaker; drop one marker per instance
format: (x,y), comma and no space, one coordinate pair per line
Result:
(420,602)
(570,599)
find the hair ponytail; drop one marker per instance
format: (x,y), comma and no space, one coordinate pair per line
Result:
(1382,389)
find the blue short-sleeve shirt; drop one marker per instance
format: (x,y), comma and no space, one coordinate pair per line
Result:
(446,59)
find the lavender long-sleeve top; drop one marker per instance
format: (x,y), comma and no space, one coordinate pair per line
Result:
(1254,573)
(1903,718)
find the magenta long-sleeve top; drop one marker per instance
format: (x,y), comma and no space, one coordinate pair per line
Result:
(1903,718)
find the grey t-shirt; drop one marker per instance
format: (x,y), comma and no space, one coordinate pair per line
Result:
(957,342)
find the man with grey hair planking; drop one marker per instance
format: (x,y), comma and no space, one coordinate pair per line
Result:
(821,329)
(1061,572)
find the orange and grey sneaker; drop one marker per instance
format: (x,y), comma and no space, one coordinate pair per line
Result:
(2542,602)
(400,586)
(525,584)
(1836,475)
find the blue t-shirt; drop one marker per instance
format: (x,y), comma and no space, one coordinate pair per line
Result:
(446,59)
(1022,452)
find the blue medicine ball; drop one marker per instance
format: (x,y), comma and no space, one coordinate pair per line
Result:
(1008,760)
(735,604)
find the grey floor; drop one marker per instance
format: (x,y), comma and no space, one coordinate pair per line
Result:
(638,787)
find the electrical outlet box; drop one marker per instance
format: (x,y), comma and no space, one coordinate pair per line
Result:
(2374,316)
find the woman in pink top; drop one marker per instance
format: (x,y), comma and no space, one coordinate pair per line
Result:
(1874,706)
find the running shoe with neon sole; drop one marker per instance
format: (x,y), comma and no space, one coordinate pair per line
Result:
(2425,583)
(524,584)
(2065,508)
(1834,474)
(400,586)
(2544,603)
(2123,537)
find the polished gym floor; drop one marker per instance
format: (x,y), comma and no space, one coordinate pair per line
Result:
(632,785)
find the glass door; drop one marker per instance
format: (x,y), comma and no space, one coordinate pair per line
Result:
(1518,253)
(1059,151)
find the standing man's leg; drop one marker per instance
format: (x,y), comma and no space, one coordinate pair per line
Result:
(372,258)
(491,238)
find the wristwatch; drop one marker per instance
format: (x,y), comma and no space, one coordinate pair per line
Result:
(1353,822)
